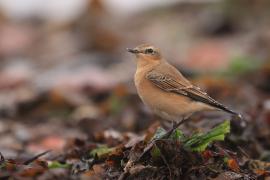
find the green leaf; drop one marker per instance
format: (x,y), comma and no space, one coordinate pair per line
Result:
(101,151)
(199,142)
(177,135)
(225,159)
(160,132)
(56,164)
(155,152)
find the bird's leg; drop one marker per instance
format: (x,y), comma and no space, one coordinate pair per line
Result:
(175,126)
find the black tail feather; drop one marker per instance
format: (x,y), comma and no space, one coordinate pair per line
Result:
(210,101)
(224,108)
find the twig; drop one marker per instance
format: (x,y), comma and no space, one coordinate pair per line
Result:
(35,157)
(146,149)
(243,151)
(123,176)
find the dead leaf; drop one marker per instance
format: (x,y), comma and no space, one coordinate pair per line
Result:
(31,171)
(233,165)
(228,175)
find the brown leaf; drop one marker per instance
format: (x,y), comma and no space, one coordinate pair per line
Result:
(233,165)
(10,165)
(258,165)
(98,169)
(207,154)
(151,131)
(262,172)
(32,171)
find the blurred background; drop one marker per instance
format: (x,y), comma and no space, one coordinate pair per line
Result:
(65,72)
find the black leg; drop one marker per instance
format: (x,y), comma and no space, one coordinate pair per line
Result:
(175,126)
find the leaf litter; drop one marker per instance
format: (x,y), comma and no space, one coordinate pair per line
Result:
(111,154)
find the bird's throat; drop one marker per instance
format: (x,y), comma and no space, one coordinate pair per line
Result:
(146,63)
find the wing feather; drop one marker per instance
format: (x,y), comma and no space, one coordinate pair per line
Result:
(169,83)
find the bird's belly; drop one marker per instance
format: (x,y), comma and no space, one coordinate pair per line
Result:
(167,105)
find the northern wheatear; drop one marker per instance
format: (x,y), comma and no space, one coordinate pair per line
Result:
(165,90)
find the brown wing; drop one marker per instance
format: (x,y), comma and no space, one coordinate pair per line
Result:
(169,83)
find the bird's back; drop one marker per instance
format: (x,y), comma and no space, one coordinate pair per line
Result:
(166,68)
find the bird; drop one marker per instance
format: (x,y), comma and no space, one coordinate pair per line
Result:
(166,91)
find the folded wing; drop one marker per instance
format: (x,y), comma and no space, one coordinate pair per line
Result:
(169,83)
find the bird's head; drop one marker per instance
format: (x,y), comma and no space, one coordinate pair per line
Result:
(146,52)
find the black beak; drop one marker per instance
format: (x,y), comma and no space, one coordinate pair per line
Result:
(134,51)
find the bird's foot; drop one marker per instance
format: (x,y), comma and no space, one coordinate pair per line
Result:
(175,126)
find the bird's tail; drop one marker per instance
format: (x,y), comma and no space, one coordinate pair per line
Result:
(203,97)
(224,108)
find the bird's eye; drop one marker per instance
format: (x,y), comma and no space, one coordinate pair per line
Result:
(149,51)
